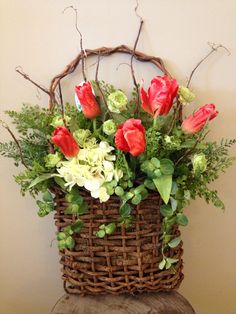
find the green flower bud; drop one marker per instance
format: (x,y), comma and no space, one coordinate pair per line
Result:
(58,121)
(117,101)
(109,127)
(185,95)
(199,162)
(52,160)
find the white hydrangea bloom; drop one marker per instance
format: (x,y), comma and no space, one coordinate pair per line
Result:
(91,168)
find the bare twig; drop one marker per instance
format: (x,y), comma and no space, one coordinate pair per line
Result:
(122,63)
(214,47)
(100,89)
(132,57)
(26,76)
(83,53)
(5,126)
(62,104)
(97,68)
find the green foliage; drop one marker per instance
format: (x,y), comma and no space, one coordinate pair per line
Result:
(106,230)
(47,205)
(65,239)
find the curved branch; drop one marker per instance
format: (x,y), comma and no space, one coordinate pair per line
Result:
(103,51)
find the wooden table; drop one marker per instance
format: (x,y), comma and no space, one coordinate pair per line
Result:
(151,303)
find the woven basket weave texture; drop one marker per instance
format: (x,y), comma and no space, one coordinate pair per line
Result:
(126,261)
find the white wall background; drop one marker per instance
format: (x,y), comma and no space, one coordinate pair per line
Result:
(37,36)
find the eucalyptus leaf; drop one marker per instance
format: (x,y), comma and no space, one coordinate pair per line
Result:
(125,210)
(162,264)
(182,219)
(175,242)
(110,228)
(166,166)
(101,233)
(166,210)
(163,185)
(174,203)
(136,199)
(70,242)
(48,197)
(76,227)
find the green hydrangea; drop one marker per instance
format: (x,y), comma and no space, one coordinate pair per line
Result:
(185,95)
(109,127)
(82,136)
(51,160)
(58,121)
(199,162)
(117,101)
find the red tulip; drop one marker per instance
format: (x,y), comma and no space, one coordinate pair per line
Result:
(159,99)
(89,105)
(130,137)
(65,141)
(196,122)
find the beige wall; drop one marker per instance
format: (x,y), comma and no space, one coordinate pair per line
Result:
(35,35)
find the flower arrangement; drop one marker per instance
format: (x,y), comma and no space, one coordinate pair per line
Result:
(110,145)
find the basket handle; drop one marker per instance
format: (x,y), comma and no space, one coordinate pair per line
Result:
(103,51)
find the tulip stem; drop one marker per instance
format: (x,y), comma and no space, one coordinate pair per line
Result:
(155,123)
(95,126)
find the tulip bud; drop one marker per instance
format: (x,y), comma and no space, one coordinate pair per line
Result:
(199,163)
(117,101)
(109,127)
(185,95)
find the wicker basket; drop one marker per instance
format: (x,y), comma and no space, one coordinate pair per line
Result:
(128,260)
(124,262)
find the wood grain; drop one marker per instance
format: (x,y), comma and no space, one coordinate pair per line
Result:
(146,303)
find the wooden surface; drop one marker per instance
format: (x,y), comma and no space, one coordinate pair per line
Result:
(151,303)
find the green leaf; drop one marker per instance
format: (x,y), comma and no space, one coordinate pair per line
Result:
(182,219)
(70,242)
(119,191)
(166,166)
(162,264)
(166,210)
(42,178)
(175,242)
(72,209)
(62,245)
(174,203)
(125,210)
(110,228)
(139,189)
(59,181)
(174,188)
(149,184)
(83,208)
(101,233)
(163,185)
(155,162)
(61,236)
(172,260)
(47,197)
(168,264)
(136,199)
(76,227)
